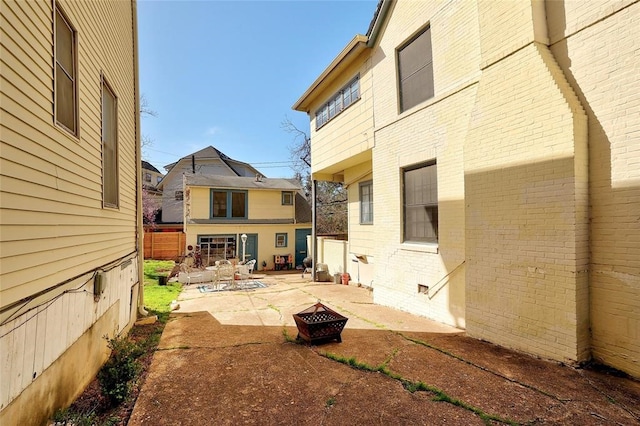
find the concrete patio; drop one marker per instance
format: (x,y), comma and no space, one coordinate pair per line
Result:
(229,358)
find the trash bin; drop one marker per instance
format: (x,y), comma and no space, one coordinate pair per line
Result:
(162,280)
(336,278)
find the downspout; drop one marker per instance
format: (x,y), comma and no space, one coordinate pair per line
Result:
(139,226)
(314,237)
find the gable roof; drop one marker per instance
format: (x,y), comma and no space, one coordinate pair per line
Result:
(148,166)
(211,153)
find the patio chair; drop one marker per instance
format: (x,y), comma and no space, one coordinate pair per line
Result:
(225,273)
(246,271)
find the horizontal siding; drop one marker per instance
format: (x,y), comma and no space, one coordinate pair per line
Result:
(350,132)
(53,223)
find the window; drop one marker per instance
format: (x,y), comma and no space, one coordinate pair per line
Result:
(338,102)
(216,247)
(415,71)
(147,177)
(179,195)
(65,76)
(281,240)
(228,204)
(287,198)
(159,178)
(421,203)
(366,202)
(109,147)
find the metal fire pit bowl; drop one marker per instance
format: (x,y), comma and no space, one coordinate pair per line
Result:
(319,323)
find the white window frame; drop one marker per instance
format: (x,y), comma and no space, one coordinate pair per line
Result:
(281,239)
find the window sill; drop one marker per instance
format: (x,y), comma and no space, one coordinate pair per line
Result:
(423,248)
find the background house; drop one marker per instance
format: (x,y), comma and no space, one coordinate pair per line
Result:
(69,198)
(272,213)
(151,176)
(212,200)
(490,151)
(206,162)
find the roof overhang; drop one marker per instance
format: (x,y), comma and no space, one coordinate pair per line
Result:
(356,46)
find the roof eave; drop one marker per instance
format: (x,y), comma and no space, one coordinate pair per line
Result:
(384,6)
(356,46)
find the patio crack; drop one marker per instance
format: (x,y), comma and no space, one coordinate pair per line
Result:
(237,345)
(480,367)
(439,394)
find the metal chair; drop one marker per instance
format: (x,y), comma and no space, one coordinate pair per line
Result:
(246,271)
(225,272)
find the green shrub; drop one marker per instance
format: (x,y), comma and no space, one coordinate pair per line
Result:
(117,375)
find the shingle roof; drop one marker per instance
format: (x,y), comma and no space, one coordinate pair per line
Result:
(148,166)
(242,182)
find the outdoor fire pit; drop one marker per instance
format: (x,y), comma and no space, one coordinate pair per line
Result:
(319,323)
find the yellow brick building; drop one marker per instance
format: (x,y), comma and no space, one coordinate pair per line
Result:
(491,152)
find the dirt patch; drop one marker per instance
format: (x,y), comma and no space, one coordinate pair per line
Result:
(92,407)
(205,373)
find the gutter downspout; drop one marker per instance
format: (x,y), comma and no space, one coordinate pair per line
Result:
(139,225)
(314,238)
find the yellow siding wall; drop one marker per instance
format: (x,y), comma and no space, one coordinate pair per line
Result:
(435,129)
(56,236)
(602,62)
(51,183)
(262,204)
(266,238)
(351,132)
(361,237)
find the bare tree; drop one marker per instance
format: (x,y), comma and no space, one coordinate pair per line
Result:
(146,111)
(331,197)
(151,204)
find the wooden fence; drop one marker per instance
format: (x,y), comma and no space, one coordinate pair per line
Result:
(164,245)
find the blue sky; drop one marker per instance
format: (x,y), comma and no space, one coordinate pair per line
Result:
(226,73)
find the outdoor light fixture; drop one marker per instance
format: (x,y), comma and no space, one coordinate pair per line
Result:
(243,237)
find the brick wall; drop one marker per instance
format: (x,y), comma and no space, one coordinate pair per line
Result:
(526,197)
(598,47)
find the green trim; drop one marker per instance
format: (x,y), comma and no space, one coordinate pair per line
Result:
(286,239)
(229,203)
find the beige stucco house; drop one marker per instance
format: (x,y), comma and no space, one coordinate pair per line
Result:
(492,158)
(70,223)
(271,212)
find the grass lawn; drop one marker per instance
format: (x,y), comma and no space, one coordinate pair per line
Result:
(157,298)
